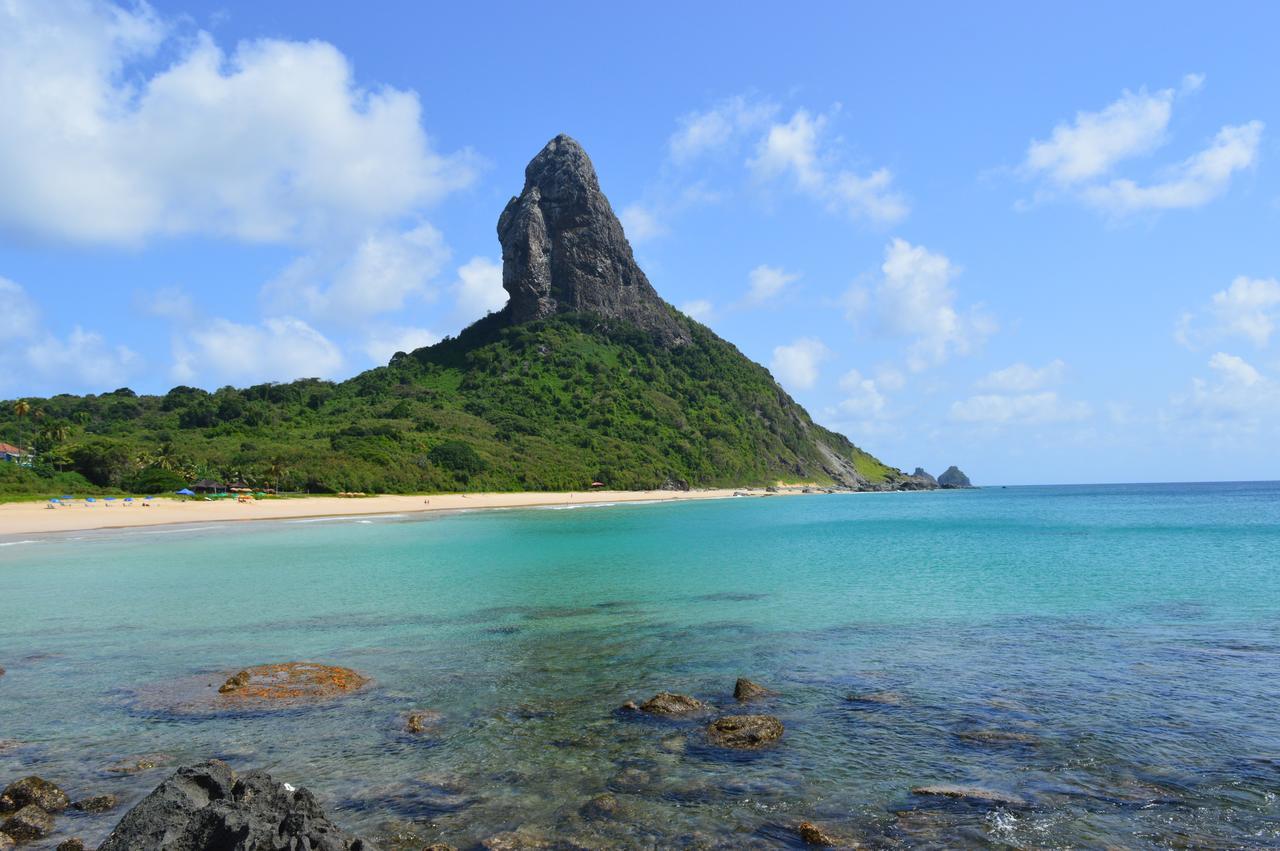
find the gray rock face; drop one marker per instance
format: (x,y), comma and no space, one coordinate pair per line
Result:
(564,251)
(924,476)
(206,807)
(953,478)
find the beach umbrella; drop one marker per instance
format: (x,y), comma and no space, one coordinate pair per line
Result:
(185,492)
(89,499)
(128,499)
(66,496)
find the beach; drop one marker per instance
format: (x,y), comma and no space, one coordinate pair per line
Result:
(36,518)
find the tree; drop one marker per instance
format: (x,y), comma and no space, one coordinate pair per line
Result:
(21,409)
(277,469)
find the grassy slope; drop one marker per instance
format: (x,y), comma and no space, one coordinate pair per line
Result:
(551,405)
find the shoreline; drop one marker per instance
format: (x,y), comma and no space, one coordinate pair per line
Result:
(35,518)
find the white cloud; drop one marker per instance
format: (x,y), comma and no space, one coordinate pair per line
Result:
(797,365)
(640,223)
(274,142)
(864,399)
(702,132)
(1234,370)
(32,356)
(1023,409)
(1249,308)
(479,289)
(914,299)
(1194,182)
(767,281)
(1091,145)
(1021,378)
(279,349)
(385,271)
(1236,401)
(794,149)
(385,342)
(83,360)
(700,309)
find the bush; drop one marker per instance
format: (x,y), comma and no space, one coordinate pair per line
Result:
(154,480)
(458,457)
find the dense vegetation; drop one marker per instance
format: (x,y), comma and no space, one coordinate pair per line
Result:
(550,405)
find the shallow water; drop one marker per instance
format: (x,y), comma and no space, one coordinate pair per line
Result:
(1131,634)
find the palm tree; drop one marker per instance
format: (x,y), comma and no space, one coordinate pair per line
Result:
(21,409)
(166,457)
(276,471)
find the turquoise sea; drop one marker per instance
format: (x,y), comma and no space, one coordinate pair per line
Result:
(1130,635)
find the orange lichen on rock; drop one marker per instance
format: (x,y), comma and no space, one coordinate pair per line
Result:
(288,681)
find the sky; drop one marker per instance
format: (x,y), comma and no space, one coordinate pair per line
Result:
(1037,241)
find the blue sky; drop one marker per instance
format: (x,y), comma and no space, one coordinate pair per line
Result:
(1039,244)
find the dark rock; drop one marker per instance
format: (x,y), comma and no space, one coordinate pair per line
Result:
(923,476)
(744,689)
(97,804)
(1,671)
(30,822)
(6,842)
(745,732)
(666,703)
(969,794)
(38,791)
(601,807)
(953,478)
(7,805)
(73,844)
(564,251)
(877,698)
(811,834)
(137,765)
(439,846)
(421,720)
(629,706)
(206,807)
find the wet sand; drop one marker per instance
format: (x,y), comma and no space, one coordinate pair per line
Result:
(35,518)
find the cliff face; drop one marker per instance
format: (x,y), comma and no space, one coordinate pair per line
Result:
(954,478)
(564,251)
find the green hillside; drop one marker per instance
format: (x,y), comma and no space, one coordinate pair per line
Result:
(549,405)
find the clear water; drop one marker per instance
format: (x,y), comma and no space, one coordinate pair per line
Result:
(1133,630)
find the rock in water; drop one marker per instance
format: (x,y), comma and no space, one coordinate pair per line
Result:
(924,476)
(564,251)
(206,807)
(6,842)
(969,794)
(97,804)
(953,478)
(666,703)
(28,823)
(745,732)
(811,834)
(35,790)
(73,844)
(744,689)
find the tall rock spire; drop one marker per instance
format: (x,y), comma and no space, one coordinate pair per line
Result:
(563,249)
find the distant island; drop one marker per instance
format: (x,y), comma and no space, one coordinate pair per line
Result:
(587,376)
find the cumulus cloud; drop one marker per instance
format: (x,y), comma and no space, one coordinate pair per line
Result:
(794,149)
(765,282)
(271,142)
(1249,308)
(700,309)
(277,349)
(863,399)
(796,365)
(701,132)
(914,299)
(83,360)
(1194,182)
(1021,378)
(1079,155)
(1236,400)
(385,271)
(479,289)
(385,342)
(1021,409)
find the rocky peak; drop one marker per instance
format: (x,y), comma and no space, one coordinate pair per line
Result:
(954,478)
(924,476)
(564,251)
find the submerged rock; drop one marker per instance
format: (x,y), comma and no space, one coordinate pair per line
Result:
(601,807)
(6,842)
(877,698)
(137,765)
(75,843)
(666,703)
(260,688)
(811,834)
(745,689)
(34,790)
(745,732)
(514,840)
(97,804)
(206,807)
(28,823)
(970,794)
(997,737)
(422,720)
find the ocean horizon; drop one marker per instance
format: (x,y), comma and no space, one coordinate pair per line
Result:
(1068,652)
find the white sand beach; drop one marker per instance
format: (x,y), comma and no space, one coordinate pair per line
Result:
(34,518)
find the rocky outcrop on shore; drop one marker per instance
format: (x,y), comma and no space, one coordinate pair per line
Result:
(925,477)
(270,687)
(954,478)
(207,807)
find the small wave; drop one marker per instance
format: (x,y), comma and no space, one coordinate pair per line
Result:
(16,543)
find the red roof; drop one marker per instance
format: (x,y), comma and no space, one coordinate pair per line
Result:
(10,449)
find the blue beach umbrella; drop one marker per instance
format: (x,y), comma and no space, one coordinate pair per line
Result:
(89,499)
(185,492)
